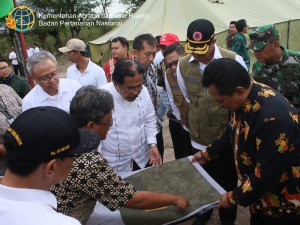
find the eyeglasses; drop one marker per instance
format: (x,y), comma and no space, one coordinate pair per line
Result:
(48,76)
(175,63)
(3,68)
(109,123)
(133,89)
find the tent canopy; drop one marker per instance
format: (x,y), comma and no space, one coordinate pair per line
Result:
(174,16)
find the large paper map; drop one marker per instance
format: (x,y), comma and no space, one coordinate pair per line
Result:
(176,177)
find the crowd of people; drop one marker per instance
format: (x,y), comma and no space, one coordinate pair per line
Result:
(219,112)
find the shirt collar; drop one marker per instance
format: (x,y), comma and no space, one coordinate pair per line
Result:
(217,54)
(28,195)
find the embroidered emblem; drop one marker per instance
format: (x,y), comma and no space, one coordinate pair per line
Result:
(197,36)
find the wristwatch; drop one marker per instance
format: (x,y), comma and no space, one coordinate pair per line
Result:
(230,199)
(152,145)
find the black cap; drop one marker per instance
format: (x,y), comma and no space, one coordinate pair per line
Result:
(199,35)
(44,133)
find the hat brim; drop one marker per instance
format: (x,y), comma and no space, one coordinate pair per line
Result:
(89,141)
(64,49)
(191,48)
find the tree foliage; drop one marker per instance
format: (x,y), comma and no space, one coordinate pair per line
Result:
(133,5)
(70,7)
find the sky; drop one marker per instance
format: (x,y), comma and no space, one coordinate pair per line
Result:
(116,8)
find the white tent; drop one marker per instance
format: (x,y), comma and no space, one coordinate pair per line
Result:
(161,16)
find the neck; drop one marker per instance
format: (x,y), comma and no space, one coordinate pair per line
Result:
(82,64)
(277,56)
(30,182)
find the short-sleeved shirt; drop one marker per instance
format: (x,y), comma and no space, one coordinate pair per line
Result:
(91,180)
(20,206)
(38,97)
(93,75)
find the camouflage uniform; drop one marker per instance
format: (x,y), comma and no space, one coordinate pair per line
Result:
(284,75)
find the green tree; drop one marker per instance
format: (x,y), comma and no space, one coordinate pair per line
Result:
(79,8)
(133,5)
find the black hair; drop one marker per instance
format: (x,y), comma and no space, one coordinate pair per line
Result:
(177,47)
(125,68)
(90,104)
(226,74)
(138,42)
(4,60)
(240,25)
(122,40)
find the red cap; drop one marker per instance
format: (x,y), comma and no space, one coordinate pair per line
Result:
(168,39)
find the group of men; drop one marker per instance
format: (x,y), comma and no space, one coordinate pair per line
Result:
(218,114)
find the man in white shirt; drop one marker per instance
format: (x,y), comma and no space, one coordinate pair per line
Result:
(131,141)
(50,90)
(83,70)
(206,119)
(40,146)
(35,48)
(30,51)
(14,61)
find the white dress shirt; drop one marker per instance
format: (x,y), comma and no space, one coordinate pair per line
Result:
(38,97)
(134,127)
(20,206)
(93,75)
(217,55)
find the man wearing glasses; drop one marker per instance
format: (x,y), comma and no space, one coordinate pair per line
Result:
(19,84)
(41,145)
(144,51)
(131,141)
(50,89)
(91,109)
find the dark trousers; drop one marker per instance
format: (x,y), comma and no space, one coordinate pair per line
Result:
(16,69)
(223,171)
(160,143)
(136,167)
(181,140)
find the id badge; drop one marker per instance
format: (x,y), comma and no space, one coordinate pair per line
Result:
(10,120)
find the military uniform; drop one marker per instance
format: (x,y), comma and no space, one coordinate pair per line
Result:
(284,75)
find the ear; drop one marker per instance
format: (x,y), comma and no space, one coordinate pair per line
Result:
(239,92)
(135,52)
(213,41)
(90,125)
(51,168)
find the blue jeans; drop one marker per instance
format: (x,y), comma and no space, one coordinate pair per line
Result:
(164,104)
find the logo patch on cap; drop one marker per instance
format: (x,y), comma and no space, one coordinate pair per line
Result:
(197,36)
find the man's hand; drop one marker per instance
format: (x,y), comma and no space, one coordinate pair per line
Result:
(155,158)
(198,157)
(181,202)
(224,202)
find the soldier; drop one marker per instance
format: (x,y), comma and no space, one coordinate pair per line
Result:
(276,66)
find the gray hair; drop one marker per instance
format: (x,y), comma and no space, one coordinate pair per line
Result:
(90,104)
(39,58)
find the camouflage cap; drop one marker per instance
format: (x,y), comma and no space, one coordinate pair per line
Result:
(262,36)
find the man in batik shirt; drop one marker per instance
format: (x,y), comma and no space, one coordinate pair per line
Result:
(265,142)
